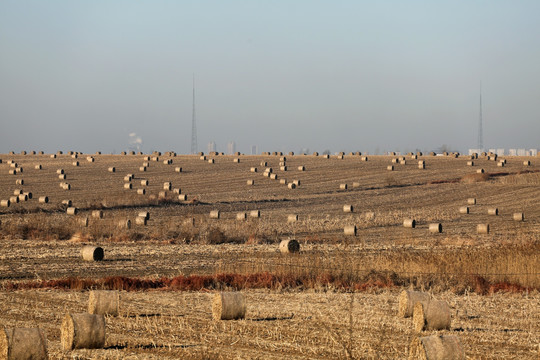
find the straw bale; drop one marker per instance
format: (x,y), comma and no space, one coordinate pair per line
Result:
(435,228)
(390,168)
(289,246)
(407,300)
(72,211)
(98,214)
(292,218)
(14,199)
(83,331)
(253,169)
(124,224)
(38,167)
(348,208)
(104,302)
(493,211)
(92,253)
(140,220)
(409,223)
(518,216)
(182,197)
(343,186)
(43,199)
(482,228)
(23,343)
(251,182)
(228,306)
(5,203)
(291,186)
(214,214)
(241,216)
(350,230)
(471,201)
(464,210)
(431,315)
(141,191)
(436,347)
(255,213)
(128,186)
(178,169)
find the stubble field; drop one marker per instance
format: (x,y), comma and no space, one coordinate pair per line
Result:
(336,298)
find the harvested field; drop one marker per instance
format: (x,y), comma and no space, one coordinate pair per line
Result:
(298,305)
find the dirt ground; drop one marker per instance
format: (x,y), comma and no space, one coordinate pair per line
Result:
(37,243)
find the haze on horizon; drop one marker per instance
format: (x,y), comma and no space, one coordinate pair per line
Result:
(344,75)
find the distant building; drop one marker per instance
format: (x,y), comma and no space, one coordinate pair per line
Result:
(521,152)
(477,151)
(254,150)
(533,152)
(512,152)
(500,152)
(211,146)
(231,148)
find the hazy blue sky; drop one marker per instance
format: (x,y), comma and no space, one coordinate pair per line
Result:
(283,75)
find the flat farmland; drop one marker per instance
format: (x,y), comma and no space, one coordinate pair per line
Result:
(336,298)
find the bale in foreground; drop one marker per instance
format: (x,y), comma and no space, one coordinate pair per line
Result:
(83,331)
(92,253)
(23,343)
(436,347)
(431,315)
(103,302)
(289,246)
(228,306)
(407,300)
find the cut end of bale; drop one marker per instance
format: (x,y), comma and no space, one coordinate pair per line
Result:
(406,301)
(83,331)
(436,347)
(289,246)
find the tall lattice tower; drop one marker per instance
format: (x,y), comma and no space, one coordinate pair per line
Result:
(480,133)
(193,124)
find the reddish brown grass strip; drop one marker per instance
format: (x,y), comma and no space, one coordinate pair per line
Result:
(263,280)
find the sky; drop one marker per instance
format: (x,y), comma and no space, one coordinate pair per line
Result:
(368,76)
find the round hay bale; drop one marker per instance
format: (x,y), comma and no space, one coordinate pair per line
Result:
(75,163)
(29,194)
(253,169)
(395,161)
(437,347)
(414,157)
(177,191)
(128,186)
(283,158)
(273,176)
(493,211)
(343,186)
(350,230)
(390,168)
(98,214)
(268,170)
(144,182)
(241,216)
(182,197)
(38,167)
(326,156)
(145,164)
(283,181)
(470,163)
(500,164)
(53,156)
(13,165)
(68,203)
(124,224)
(348,208)
(355,184)
(431,315)
(291,185)
(144,214)
(518,217)
(292,218)
(19,182)
(228,306)
(23,197)
(480,171)
(211,161)
(66,186)
(167,186)
(339,157)
(203,157)
(214,214)
(83,331)
(464,210)
(296,182)
(236,160)
(43,199)
(527,163)
(178,169)
(23,343)
(104,302)
(482,229)
(302,168)
(141,191)
(60,171)
(283,168)
(140,220)
(142,168)
(364,158)
(14,199)
(17,192)
(471,201)
(264,163)
(162,195)
(435,228)
(255,213)
(403,162)
(89,159)
(12,172)
(5,203)
(409,223)
(72,211)
(251,182)
(289,246)
(62,176)
(92,253)
(112,169)
(407,299)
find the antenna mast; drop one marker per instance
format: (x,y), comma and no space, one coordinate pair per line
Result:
(193,124)
(480,134)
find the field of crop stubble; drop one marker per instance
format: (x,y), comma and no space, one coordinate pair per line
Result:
(336,298)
